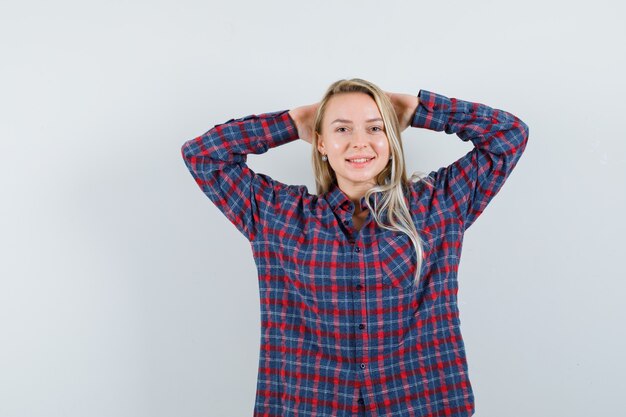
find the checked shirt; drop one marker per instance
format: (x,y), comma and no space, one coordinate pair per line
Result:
(344,330)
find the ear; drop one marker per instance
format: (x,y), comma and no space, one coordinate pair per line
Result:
(320,143)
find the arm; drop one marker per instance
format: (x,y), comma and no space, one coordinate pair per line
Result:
(468,185)
(217,161)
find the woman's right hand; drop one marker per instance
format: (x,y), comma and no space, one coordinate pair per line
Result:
(304,116)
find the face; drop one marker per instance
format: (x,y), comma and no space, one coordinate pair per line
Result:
(353,128)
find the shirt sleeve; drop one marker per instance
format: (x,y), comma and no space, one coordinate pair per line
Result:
(499,138)
(217,162)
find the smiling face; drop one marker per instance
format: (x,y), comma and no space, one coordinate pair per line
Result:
(353,129)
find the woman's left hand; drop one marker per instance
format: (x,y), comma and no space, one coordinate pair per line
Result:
(405,106)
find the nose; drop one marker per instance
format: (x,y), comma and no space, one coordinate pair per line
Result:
(359,139)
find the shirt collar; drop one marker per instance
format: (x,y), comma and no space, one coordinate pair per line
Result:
(339,200)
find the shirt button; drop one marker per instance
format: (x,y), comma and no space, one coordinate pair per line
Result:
(361,401)
(346,222)
(357,249)
(361,326)
(359,286)
(362,366)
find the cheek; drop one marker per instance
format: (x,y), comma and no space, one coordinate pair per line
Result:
(335,145)
(382,145)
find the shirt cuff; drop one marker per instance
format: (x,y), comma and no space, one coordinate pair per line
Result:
(281,126)
(433,111)
(277,127)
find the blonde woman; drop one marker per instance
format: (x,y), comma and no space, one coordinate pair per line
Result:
(358,282)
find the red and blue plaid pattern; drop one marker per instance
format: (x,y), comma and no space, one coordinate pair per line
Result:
(344,331)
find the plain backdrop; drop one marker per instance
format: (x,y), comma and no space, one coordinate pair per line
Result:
(124,292)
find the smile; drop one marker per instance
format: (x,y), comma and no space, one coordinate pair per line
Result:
(358,163)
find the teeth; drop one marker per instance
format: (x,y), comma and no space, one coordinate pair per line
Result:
(359,160)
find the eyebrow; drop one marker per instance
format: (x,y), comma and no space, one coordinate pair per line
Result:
(378,119)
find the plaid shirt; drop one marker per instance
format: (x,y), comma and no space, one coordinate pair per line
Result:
(344,331)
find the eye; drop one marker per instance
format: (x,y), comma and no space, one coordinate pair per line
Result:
(380,129)
(339,129)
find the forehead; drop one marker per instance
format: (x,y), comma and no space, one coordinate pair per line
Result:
(356,107)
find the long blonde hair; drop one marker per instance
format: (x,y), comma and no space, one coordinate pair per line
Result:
(391,181)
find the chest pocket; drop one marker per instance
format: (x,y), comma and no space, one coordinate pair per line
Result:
(397,260)
(310,267)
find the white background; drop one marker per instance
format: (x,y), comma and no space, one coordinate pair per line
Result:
(125,292)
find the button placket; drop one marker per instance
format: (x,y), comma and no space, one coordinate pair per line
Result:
(360,343)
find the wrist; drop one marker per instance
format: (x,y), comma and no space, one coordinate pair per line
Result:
(410,104)
(295,115)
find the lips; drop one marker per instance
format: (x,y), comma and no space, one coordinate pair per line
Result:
(360,159)
(359,162)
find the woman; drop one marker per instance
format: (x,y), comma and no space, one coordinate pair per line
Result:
(358,282)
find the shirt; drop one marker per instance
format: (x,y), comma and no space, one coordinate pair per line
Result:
(344,330)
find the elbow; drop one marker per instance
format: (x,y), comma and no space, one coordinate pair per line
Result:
(185,151)
(190,148)
(521,139)
(525,130)
(525,133)
(522,134)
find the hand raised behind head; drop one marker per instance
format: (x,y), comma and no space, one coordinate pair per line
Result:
(304,116)
(405,106)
